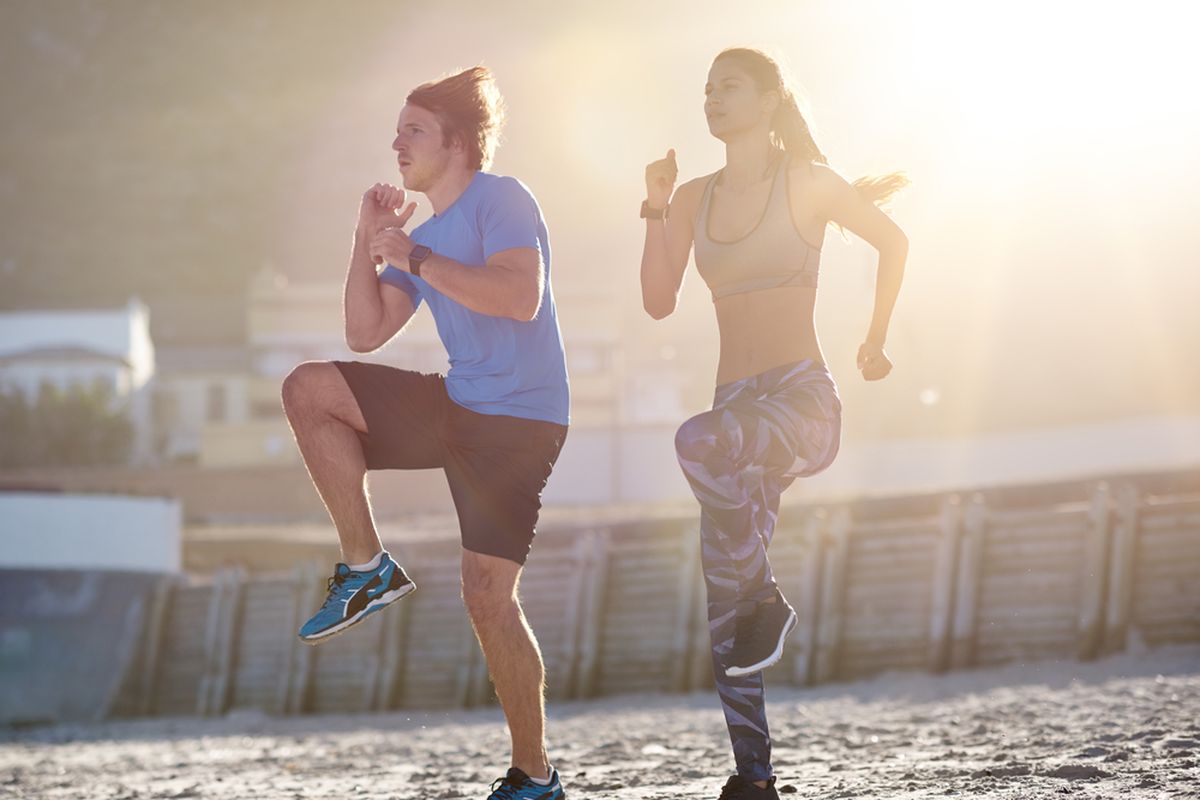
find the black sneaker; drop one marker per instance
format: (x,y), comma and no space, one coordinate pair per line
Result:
(758,637)
(738,788)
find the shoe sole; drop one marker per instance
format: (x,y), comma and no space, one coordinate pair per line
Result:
(738,672)
(385,599)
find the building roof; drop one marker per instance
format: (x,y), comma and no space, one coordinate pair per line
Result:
(117,333)
(63,353)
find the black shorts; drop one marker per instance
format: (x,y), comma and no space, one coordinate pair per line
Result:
(496,465)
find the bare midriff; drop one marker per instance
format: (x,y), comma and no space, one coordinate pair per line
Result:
(765,329)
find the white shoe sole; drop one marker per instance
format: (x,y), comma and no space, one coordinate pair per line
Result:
(384,599)
(738,672)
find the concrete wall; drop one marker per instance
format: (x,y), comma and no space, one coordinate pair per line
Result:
(69,640)
(48,530)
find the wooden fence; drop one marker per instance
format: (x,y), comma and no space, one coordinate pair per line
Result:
(920,583)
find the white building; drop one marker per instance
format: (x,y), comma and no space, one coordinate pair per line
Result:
(88,532)
(84,348)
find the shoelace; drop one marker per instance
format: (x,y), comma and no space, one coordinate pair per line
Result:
(333,580)
(507,791)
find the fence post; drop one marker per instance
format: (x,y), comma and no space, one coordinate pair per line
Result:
(810,598)
(945,566)
(700,666)
(373,669)
(288,673)
(212,631)
(966,592)
(395,637)
(155,624)
(1095,574)
(219,645)
(833,591)
(307,597)
(573,613)
(685,592)
(591,611)
(1121,566)
(128,647)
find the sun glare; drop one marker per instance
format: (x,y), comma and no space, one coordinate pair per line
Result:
(1026,79)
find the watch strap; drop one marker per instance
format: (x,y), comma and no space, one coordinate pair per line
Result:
(649,212)
(416,258)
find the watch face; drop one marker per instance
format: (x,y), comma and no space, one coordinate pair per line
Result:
(420,252)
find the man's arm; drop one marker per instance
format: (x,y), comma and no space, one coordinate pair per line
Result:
(513,278)
(510,285)
(374,311)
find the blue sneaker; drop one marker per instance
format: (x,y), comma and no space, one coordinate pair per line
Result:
(355,595)
(516,785)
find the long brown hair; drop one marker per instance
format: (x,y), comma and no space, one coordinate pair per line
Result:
(470,109)
(789,129)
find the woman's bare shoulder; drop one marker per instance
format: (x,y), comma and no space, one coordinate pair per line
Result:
(687,196)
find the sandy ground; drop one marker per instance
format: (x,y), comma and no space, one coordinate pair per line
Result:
(1126,726)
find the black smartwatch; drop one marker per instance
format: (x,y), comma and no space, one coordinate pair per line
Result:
(416,257)
(652,213)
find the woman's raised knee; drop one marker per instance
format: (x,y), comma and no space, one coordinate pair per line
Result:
(696,437)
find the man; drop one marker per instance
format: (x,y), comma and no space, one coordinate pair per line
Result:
(495,423)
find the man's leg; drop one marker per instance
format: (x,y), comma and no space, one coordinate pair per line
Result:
(326,421)
(513,658)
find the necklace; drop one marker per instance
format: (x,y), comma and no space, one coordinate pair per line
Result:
(772,163)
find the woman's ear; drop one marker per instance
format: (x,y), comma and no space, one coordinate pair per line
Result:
(770,101)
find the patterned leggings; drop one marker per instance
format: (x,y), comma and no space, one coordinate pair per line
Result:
(762,432)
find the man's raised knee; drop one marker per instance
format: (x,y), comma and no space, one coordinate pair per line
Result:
(311,386)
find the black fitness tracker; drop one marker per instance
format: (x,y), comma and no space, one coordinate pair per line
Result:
(418,255)
(652,213)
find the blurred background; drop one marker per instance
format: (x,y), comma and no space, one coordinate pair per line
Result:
(179,183)
(207,159)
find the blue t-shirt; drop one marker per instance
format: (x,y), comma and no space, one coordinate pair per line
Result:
(498,365)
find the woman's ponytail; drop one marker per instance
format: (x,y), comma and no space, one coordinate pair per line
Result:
(790,131)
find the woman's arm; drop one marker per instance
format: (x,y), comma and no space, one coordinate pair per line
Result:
(668,241)
(841,203)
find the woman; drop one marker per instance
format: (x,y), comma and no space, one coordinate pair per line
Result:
(758,225)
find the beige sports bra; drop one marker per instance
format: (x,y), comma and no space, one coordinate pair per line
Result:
(773,254)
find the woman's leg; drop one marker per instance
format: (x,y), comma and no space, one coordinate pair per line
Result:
(733,461)
(738,459)
(742,699)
